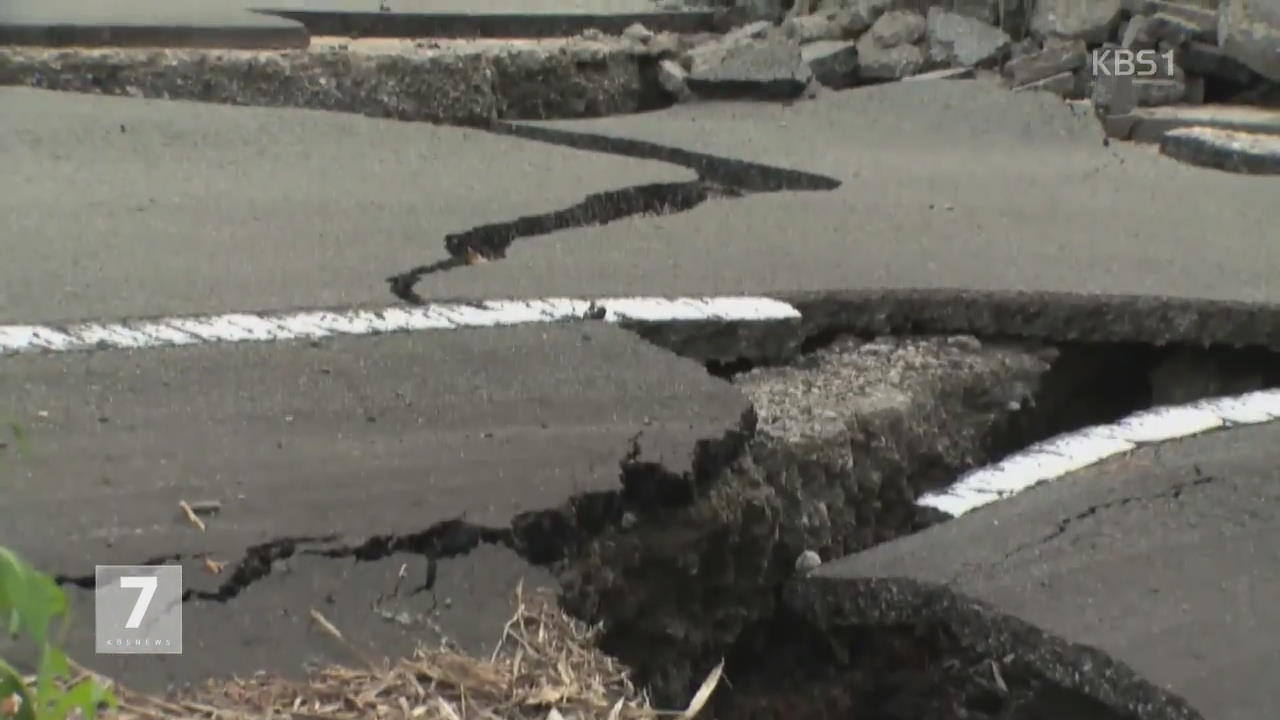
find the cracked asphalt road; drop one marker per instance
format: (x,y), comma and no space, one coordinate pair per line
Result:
(1165,559)
(350,437)
(121,208)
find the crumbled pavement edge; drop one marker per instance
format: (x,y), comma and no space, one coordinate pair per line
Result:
(457,83)
(829,603)
(676,585)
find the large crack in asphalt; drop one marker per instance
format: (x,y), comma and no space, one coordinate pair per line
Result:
(843,435)
(684,568)
(717,177)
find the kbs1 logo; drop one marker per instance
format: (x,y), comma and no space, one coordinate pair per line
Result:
(1125,62)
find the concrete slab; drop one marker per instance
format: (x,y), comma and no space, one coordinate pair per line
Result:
(122,207)
(1197,515)
(163,23)
(958,185)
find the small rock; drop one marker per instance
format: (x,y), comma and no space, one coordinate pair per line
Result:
(879,63)
(1092,21)
(810,28)
(1249,31)
(956,39)
(1229,150)
(834,63)
(638,33)
(856,16)
(671,76)
(897,28)
(808,561)
(1055,58)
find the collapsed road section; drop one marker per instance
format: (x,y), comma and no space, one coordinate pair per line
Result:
(688,561)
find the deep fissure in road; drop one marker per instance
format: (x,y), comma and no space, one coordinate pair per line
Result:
(700,573)
(686,568)
(718,177)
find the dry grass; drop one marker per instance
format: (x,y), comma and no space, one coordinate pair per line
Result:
(546,666)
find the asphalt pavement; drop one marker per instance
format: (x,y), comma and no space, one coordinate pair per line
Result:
(317,449)
(121,209)
(1165,559)
(126,208)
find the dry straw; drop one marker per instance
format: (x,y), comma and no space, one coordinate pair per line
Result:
(546,667)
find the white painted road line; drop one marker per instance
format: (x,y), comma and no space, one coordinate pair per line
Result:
(1069,452)
(311,324)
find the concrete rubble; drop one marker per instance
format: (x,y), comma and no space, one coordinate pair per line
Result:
(1221,51)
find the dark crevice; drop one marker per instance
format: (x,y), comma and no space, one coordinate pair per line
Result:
(749,177)
(491,242)
(88,582)
(718,177)
(701,577)
(896,671)
(685,567)
(258,562)
(446,539)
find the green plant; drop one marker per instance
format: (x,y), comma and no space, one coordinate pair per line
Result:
(31,603)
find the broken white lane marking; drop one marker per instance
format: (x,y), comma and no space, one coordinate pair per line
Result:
(1069,452)
(311,324)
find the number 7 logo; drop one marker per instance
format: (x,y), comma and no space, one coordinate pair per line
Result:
(147,584)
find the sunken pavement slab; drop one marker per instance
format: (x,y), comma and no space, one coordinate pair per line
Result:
(333,452)
(1198,517)
(1238,152)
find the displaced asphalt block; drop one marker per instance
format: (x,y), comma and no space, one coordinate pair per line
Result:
(330,453)
(154,23)
(1197,516)
(1230,150)
(834,63)
(1151,124)
(760,71)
